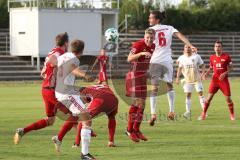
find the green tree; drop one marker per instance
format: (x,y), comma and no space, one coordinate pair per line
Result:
(4,20)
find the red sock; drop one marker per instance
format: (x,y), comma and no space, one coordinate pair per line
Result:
(35,126)
(111,129)
(67,127)
(78,134)
(231,108)
(131,117)
(139,119)
(206,105)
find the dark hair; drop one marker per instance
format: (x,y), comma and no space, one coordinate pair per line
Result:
(159,15)
(219,42)
(77,46)
(61,39)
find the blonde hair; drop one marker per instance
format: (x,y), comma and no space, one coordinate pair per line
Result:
(150,31)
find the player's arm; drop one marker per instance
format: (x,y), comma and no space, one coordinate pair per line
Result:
(80,73)
(207,72)
(179,72)
(94,64)
(203,68)
(184,39)
(132,56)
(53,60)
(229,69)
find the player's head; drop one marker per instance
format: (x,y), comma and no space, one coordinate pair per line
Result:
(187,50)
(218,47)
(102,52)
(149,36)
(62,41)
(77,47)
(156,17)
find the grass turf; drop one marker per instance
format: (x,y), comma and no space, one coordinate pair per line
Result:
(215,138)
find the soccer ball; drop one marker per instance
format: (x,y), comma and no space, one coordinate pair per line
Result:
(111,35)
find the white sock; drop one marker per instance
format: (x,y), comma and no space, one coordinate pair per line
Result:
(171,98)
(85,140)
(153,101)
(202,100)
(188,104)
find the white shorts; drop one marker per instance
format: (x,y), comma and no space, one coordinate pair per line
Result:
(73,103)
(163,71)
(188,87)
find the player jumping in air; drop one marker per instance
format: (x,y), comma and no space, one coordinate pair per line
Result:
(101,99)
(48,87)
(161,63)
(221,65)
(68,95)
(189,64)
(136,83)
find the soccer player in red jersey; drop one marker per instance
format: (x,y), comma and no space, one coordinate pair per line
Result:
(221,65)
(136,83)
(101,99)
(102,59)
(48,87)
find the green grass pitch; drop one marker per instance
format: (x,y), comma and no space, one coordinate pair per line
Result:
(216,138)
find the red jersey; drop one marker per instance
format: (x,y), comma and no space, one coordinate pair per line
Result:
(142,63)
(102,100)
(103,62)
(97,91)
(220,64)
(49,72)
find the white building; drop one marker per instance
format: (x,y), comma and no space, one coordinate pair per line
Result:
(35,23)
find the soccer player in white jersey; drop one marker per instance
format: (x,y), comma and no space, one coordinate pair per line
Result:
(161,63)
(68,94)
(189,64)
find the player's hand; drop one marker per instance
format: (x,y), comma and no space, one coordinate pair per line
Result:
(222,76)
(203,76)
(146,54)
(89,78)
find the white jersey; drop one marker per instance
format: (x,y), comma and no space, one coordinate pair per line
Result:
(190,67)
(65,78)
(163,42)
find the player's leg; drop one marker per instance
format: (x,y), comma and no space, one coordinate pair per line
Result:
(132,112)
(153,100)
(153,103)
(213,88)
(225,88)
(112,127)
(141,106)
(78,136)
(132,116)
(188,88)
(76,107)
(94,111)
(188,103)
(168,77)
(85,140)
(199,89)
(171,100)
(50,102)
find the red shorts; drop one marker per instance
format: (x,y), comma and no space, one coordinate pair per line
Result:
(136,84)
(107,104)
(102,76)
(223,85)
(50,101)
